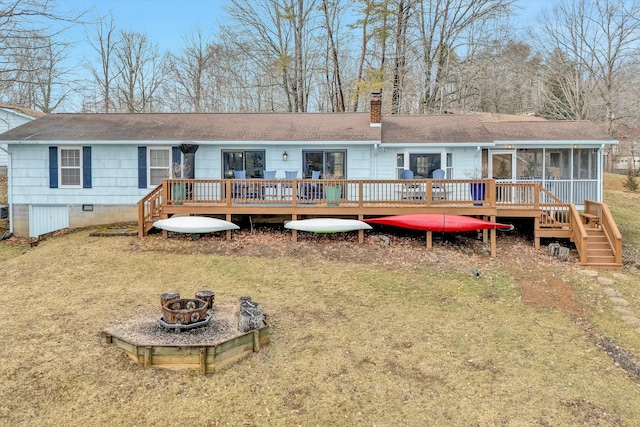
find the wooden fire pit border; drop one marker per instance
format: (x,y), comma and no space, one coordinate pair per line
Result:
(206,358)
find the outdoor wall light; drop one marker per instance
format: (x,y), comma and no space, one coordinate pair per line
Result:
(285,156)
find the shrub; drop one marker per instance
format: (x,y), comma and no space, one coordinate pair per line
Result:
(631,184)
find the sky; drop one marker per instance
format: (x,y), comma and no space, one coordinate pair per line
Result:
(166,22)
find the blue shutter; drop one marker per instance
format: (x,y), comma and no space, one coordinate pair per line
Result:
(175,159)
(142,167)
(86,167)
(53,167)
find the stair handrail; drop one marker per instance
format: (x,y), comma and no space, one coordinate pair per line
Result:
(578,233)
(550,195)
(609,226)
(146,206)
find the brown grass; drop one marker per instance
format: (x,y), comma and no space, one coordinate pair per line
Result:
(352,343)
(3,191)
(362,335)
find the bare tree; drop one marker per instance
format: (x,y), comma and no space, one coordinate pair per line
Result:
(401,40)
(25,22)
(189,69)
(446,27)
(140,72)
(599,38)
(104,42)
(332,15)
(281,36)
(374,26)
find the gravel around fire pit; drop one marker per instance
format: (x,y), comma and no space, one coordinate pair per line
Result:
(143,329)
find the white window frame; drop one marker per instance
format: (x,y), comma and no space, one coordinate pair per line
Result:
(443,160)
(61,168)
(168,168)
(448,156)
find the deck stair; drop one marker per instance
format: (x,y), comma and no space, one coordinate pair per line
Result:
(599,251)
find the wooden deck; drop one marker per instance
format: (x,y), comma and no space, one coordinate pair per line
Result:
(366,198)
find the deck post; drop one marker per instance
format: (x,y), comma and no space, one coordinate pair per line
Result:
(360,218)
(228,218)
(429,239)
(493,238)
(294,233)
(141,219)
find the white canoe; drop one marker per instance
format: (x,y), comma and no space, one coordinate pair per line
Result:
(194,224)
(327,225)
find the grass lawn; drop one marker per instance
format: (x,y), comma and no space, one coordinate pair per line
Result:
(362,334)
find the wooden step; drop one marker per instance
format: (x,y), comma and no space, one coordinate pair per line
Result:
(591,260)
(599,252)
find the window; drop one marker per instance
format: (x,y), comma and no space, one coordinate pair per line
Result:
(557,163)
(585,163)
(449,169)
(251,161)
(399,165)
(424,164)
(70,167)
(333,162)
(529,163)
(159,165)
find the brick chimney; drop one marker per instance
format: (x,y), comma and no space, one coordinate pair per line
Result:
(376,108)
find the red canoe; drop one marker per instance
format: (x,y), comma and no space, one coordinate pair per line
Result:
(437,222)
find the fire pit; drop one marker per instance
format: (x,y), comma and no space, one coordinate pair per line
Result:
(223,336)
(184,314)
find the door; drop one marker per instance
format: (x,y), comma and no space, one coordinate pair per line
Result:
(503,166)
(503,170)
(44,219)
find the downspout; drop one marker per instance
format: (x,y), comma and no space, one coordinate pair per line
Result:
(375,160)
(601,173)
(9,189)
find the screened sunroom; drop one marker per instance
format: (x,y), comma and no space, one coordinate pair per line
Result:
(572,174)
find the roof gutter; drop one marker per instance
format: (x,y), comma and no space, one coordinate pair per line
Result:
(185,141)
(566,142)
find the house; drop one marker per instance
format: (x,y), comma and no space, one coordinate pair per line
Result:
(11,117)
(73,170)
(624,158)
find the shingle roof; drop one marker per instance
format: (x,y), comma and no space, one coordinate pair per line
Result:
(448,128)
(23,110)
(433,128)
(566,130)
(198,127)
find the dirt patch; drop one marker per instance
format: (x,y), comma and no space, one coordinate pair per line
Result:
(549,291)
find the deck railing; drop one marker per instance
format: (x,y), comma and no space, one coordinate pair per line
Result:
(605,219)
(300,192)
(578,234)
(420,193)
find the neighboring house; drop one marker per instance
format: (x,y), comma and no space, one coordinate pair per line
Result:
(11,117)
(71,170)
(624,158)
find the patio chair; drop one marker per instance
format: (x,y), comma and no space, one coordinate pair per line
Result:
(410,191)
(438,190)
(240,189)
(270,189)
(312,190)
(288,175)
